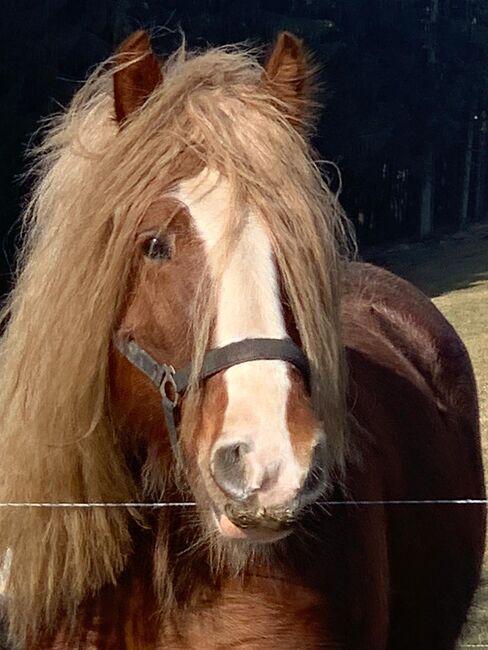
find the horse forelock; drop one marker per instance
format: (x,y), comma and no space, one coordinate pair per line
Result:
(94,182)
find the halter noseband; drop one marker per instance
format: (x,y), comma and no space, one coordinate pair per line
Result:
(172,383)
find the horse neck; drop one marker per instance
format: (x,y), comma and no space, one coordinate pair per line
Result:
(128,613)
(118,616)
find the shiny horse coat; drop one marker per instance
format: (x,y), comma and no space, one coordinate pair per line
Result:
(180,207)
(350,577)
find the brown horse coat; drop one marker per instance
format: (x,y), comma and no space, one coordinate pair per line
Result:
(113,250)
(351,577)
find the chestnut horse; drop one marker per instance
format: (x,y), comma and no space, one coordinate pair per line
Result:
(179,221)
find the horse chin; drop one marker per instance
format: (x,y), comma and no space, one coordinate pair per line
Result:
(256,534)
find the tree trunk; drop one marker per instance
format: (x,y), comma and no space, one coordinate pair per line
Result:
(426,201)
(434,18)
(480,176)
(468,159)
(427,196)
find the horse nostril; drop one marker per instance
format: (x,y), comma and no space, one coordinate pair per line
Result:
(227,469)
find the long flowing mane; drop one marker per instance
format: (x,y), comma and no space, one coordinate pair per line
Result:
(94,181)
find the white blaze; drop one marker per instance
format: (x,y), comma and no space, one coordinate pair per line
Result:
(249,306)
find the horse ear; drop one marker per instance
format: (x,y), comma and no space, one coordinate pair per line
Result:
(134,83)
(289,75)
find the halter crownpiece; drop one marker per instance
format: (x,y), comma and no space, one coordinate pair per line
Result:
(172,383)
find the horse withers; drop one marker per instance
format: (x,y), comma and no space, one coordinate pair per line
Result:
(187,329)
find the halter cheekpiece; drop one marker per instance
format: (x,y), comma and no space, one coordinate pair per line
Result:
(172,383)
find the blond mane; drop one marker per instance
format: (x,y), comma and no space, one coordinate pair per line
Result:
(57,443)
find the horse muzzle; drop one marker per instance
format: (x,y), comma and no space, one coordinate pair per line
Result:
(247,521)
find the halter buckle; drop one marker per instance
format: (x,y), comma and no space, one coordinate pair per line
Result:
(168,387)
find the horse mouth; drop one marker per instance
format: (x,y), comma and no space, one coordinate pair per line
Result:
(235,521)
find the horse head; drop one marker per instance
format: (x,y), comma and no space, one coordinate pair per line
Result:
(254,451)
(180,213)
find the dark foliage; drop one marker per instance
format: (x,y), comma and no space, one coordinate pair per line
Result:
(405,94)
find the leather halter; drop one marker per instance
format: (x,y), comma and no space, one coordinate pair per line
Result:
(172,383)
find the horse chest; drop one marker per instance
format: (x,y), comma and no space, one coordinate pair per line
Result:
(260,615)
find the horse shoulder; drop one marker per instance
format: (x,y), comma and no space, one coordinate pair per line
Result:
(408,334)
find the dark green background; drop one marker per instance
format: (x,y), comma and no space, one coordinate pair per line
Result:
(405,92)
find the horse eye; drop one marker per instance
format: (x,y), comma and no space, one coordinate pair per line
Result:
(157,248)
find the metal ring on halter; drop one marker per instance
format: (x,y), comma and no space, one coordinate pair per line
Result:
(170,400)
(168,379)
